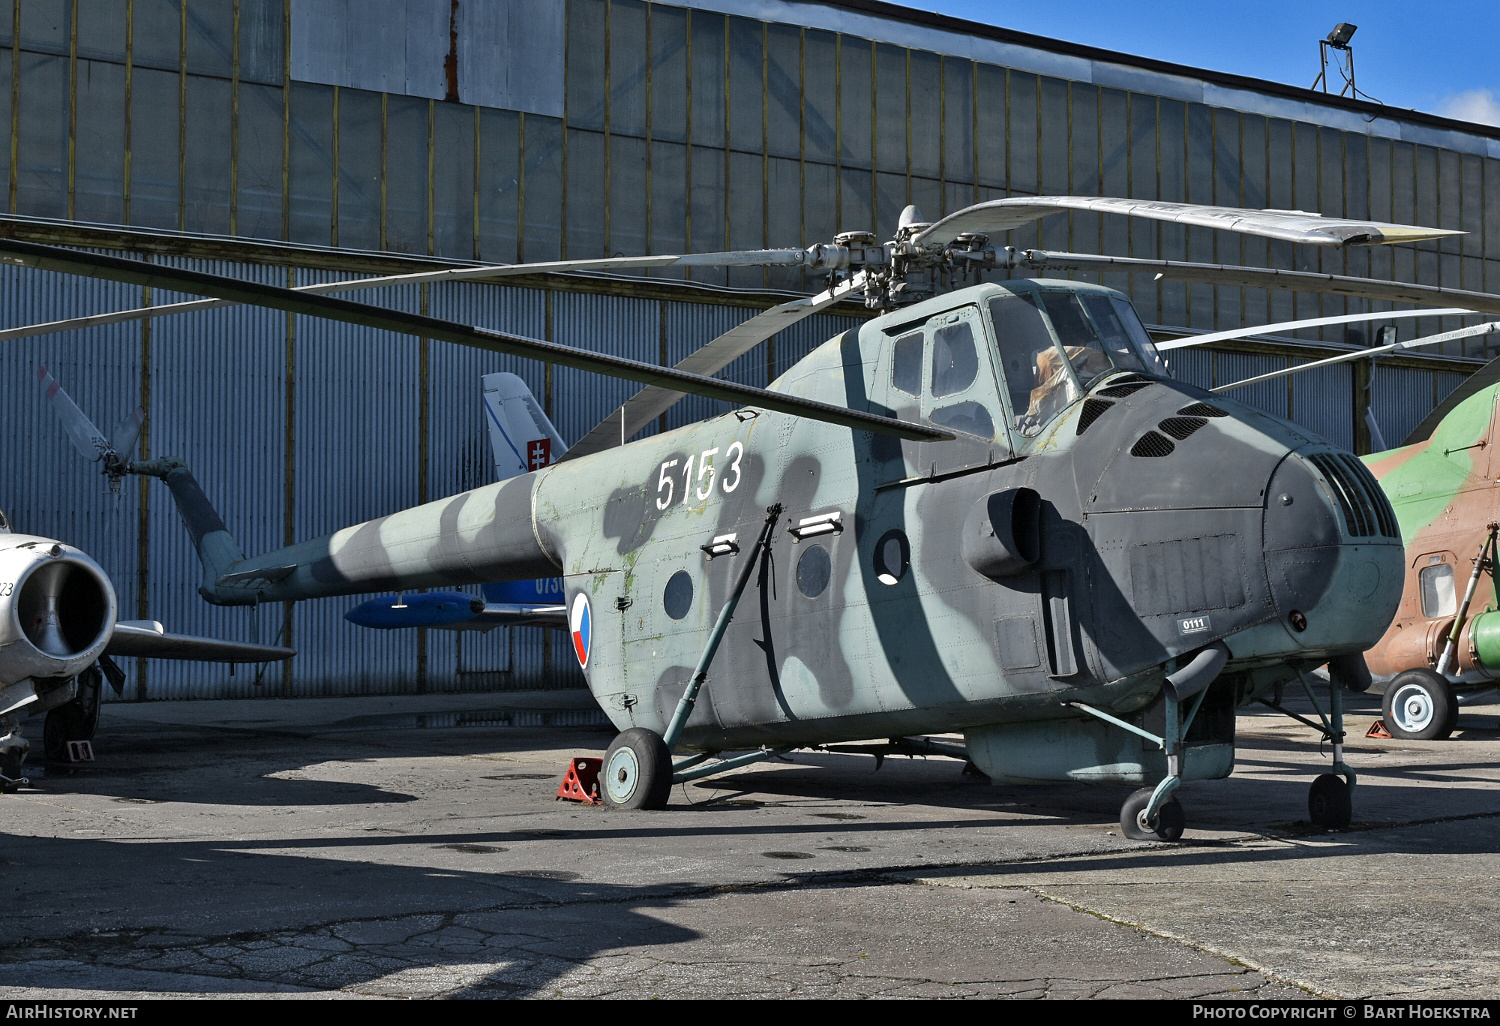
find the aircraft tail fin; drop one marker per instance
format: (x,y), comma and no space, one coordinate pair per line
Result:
(521,436)
(216,547)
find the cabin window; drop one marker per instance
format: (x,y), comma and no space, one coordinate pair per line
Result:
(892,557)
(971,417)
(677,599)
(1036,377)
(906,374)
(814,569)
(1438,596)
(955,359)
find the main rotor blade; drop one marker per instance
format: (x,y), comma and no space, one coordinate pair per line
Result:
(494,272)
(1272,278)
(651,402)
(1003,215)
(1311,322)
(1487,328)
(87,439)
(95,265)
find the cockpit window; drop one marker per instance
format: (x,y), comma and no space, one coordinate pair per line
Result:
(1036,378)
(1135,332)
(907,363)
(955,359)
(1086,350)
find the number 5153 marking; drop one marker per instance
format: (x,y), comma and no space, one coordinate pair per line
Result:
(666,481)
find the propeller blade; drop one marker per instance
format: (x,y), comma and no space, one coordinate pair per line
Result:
(1271,278)
(1003,215)
(741,258)
(96,265)
(87,439)
(128,433)
(1312,322)
(651,402)
(1487,328)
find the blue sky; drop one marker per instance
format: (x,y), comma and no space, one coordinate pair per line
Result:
(1436,56)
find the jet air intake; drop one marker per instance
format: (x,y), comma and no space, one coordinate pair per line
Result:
(57,610)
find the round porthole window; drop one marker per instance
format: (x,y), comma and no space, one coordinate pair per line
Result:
(892,557)
(814,568)
(678,598)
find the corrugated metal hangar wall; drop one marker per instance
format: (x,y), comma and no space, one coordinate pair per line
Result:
(293,141)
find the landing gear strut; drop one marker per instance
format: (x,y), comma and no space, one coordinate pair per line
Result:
(1152,813)
(638,771)
(76,720)
(13,749)
(1330,800)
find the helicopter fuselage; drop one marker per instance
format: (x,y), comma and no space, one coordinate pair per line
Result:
(951,586)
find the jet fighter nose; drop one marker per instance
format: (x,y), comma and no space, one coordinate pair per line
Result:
(1333,553)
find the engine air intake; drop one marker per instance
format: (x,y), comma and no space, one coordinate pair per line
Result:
(1152,444)
(1121,391)
(1201,410)
(1180,427)
(1367,512)
(1093,409)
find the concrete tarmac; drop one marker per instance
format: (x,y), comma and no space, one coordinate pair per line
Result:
(413,847)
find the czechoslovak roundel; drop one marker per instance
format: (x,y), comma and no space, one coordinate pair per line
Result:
(580,622)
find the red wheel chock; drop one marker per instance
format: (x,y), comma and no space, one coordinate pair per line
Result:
(581,782)
(1377,729)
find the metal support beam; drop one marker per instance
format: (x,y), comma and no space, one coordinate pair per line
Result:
(727,764)
(700,672)
(1106,717)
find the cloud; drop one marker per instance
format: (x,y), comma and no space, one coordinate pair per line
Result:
(1477,106)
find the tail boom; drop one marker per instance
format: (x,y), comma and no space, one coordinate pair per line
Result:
(475,537)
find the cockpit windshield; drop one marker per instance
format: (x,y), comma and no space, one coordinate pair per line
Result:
(1095,334)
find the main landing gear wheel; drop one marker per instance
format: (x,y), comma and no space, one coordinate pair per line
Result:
(76,720)
(1420,706)
(1329,805)
(1169,820)
(637,771)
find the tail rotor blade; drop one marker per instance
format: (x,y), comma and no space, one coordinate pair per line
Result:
(87,439)
(128,433)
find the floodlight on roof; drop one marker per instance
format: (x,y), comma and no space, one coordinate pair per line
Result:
(1341,34)
(1338,40)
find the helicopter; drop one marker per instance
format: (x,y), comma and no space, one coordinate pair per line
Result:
(1441,484)
(988,510)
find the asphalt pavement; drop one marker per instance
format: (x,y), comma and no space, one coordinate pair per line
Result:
(414,847)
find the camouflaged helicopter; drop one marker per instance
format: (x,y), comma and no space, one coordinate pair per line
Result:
(1441,483)
(988,510)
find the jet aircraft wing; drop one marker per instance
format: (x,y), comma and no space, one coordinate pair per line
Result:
(149,639)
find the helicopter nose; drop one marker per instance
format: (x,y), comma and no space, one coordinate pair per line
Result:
(1333,553)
